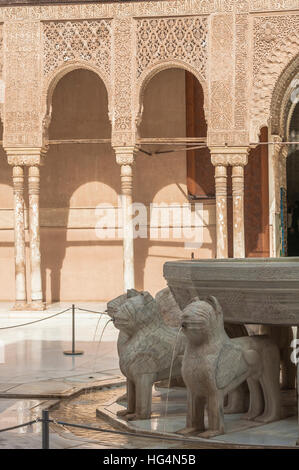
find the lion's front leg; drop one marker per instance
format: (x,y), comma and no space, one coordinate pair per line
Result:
(131,401)
(144,384)
(195,415)
(215,415)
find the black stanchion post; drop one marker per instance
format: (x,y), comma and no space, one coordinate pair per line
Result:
(73,352)
(73,329)
(45,430)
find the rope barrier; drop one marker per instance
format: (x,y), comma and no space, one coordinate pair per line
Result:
(64,425)
(35,321)
(51,316)
(122,433)
(91,311)
(46,421)
(11,428)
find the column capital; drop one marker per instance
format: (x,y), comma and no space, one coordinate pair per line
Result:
(125,155)
(18,179)
(33,179)
(229,156)
(25,156)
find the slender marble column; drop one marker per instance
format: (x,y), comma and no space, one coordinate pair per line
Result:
(125,158)
(20,248)
(221,210)
(238,161)
(35,257)
(238,211)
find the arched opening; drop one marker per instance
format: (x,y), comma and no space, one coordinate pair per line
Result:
(174,171)
(80,172)
(282,160)
(292,174)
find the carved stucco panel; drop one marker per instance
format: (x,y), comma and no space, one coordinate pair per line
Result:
(179,39)
(221,78)
(88,41)
(276,43)
(22,123)
(2,83)
(123,126)
(149,8)
(169,42)
(241,71)
(116,9)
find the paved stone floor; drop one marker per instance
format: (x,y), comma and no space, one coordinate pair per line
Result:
(36,375)
(34,371)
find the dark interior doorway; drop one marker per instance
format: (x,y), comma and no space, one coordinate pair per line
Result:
(293,186)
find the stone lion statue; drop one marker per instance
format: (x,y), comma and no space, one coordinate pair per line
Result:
(214,365)
(145,348)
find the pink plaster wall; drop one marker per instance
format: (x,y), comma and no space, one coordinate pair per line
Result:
(76,265)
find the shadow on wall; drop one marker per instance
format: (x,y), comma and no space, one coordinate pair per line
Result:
(74,180)
(76,265)
(163,178)
(77,177)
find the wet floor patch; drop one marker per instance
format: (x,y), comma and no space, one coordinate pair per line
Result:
(240,433)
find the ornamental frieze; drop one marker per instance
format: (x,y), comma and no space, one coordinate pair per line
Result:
(103,9)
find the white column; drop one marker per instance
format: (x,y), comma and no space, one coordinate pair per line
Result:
(35,257)
(19,232)
(238,211)
(125,158)
(238,161)
(221,205)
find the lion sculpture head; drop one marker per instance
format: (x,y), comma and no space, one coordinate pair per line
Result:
(133,311)
(202,320)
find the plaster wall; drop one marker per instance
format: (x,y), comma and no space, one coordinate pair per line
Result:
(76,264)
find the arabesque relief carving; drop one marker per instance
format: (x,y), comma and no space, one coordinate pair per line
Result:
(88,41)
(125,41)
(276,43)
(183,39)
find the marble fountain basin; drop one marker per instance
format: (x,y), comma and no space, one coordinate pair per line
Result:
(251,290)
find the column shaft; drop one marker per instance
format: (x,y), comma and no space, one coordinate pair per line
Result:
(19,232)
(128,236)
(238,211)
(35,257)
(221,210)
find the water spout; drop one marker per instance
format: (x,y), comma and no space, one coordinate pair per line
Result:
(170,376)
(100,340)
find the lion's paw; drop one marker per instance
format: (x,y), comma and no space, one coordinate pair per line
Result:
(188,431)
(209,434)
(122,413)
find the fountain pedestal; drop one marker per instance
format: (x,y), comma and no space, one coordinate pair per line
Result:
(261,291)
(250,291)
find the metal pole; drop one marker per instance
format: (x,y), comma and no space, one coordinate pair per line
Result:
(73,352)
(45,430)
(73,329)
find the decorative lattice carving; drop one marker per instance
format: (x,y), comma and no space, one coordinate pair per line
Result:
(123,72)
(241,71)
(221,77)
(276,43)
(183,39)
(1,71)
(88,41)
(22,123)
